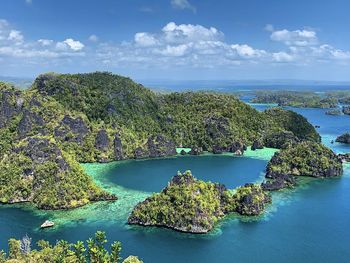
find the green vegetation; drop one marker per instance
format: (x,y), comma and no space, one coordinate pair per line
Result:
(295,99)
(92,251)
(191,205)
(306,159)
(99,117)
(295,123)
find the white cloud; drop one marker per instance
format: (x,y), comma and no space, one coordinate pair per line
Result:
(295,38)
(29,1)
(247,51)
(45,42)
(15,36)
(145,39)
(174,33)
(93,38)
(70,43)
(282,57)
(182,4)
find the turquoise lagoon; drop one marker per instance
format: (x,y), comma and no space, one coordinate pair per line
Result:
(307,224)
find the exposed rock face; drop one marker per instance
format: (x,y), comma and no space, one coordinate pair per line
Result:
(42,174)
(191,205)
(159,146)
(71,129)
(257,144)
(118,149)
(8,107)
(196,150)
(278,182)
(217,126)
(344,138)
(237,148)
(280,140)
(28,122)
(102,140)
(156,146)
(346,110)
(251,200)
(344,157)
(303,159)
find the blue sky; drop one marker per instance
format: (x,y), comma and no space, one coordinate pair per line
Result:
(177,39)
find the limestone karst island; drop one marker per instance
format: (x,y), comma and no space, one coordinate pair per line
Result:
(174,131)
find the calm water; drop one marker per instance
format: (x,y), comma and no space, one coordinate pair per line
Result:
(309,224)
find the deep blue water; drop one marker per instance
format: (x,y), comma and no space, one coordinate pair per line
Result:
(310,224)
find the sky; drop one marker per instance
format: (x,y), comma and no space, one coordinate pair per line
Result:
(177,39)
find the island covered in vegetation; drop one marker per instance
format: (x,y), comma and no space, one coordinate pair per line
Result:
(191,205)
(302,159)
(298,99)
(62,120)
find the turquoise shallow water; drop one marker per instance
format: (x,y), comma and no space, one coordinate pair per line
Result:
(308,224)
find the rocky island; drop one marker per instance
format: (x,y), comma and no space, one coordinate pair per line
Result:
(65,119)
(344,138)
(303,159)
(191,205)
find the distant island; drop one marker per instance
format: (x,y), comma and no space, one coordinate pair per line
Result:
(297,99)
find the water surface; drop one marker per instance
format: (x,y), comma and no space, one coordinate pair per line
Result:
(308,224)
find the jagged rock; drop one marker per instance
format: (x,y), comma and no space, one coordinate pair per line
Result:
(41,151)
(118,149)
(183,152)
(344,138)
(71,129)
(156,146)
(280,140)
(304,159)
(237,148)
(191,205)
(257,144)
(140,153)
(217,126)
(217,149)
(346,110)
(251,200)
(196,150)
(8,108)
(159,146)
(102,140)
(280,181)
(29,121)
(344,157)
(45,176)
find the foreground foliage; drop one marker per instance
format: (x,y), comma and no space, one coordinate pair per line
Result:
(92,251)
